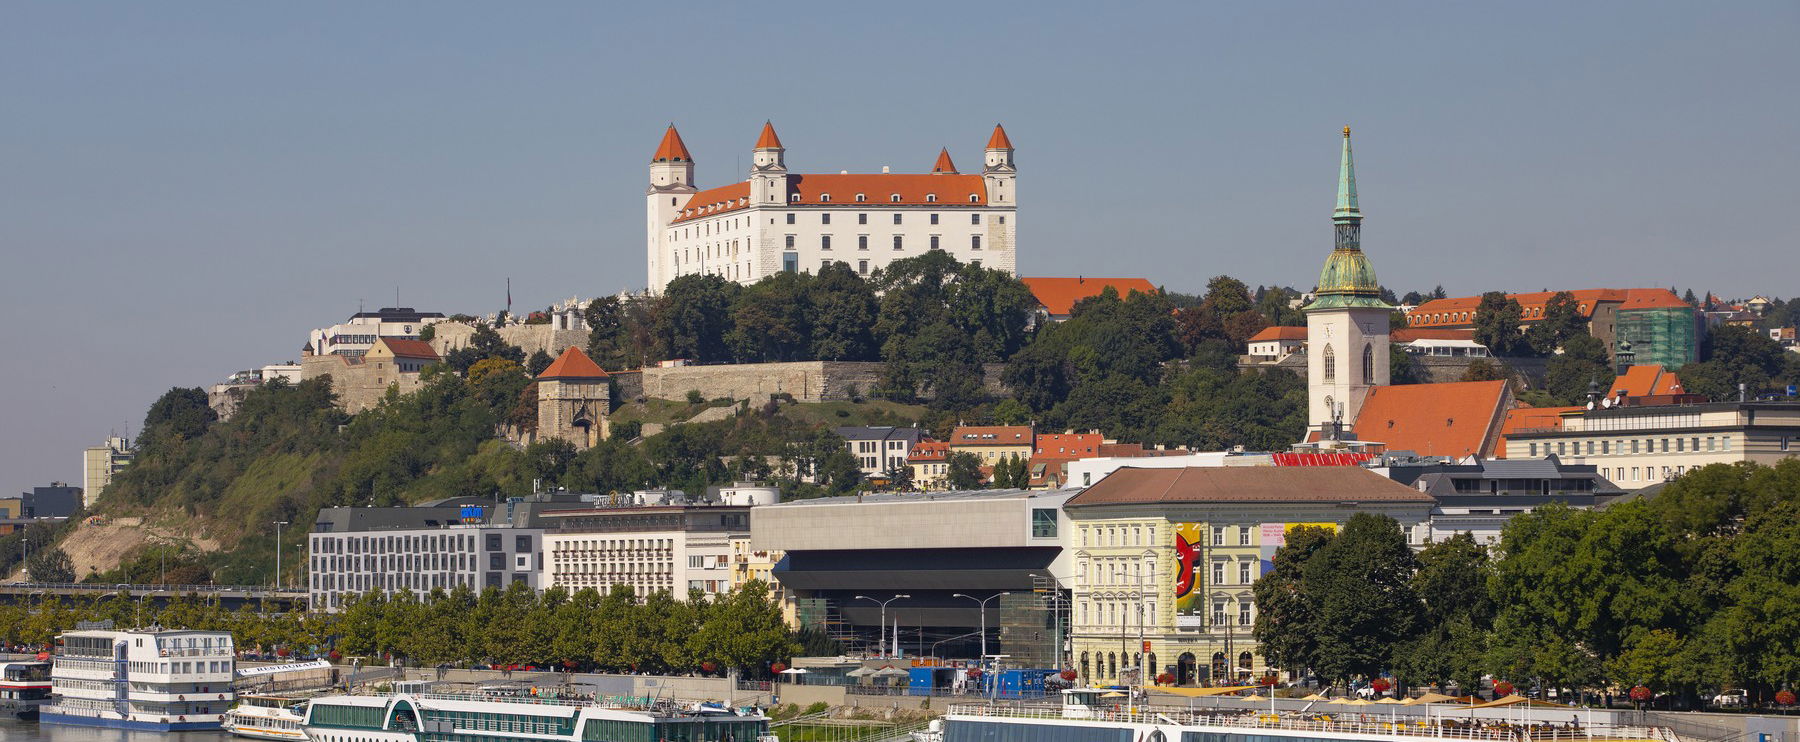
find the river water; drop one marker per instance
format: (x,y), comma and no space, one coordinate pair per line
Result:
(30,731)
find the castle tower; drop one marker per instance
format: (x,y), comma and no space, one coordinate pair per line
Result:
(944,165)
(768,168)
(671,185)
(997,169)
(1347,323)
(574,400)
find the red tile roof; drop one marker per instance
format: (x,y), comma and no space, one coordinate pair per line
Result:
(944,166)
(1645,380)
(768,140)
(1228,484)
(1530,418)
(928,451)
(1058,295)
(1278,332)
(573,364)
(1067,446)
(409,348)
(999,140)
(991,435)
(1455,419)
(672,148)
(1461,310)
(942,191)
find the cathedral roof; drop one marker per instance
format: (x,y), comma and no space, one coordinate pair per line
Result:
(1347,280)
(999,140)
(672,148)
(768,140)
(572,364)
(1456,419)
(944,166)
(879,189)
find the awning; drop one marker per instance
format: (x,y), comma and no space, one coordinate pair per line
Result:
(1202,692)
(1515,700)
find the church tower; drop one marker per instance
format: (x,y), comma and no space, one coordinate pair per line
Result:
(574,400)
(671,185)
(1347,322)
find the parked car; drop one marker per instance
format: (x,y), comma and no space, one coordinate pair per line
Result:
(1732,698)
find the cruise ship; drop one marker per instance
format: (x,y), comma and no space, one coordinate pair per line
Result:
(24,686)
(1096,715)
(267,717)
(156,680)
(456,717)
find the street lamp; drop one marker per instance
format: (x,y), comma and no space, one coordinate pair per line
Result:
(278,525)
(881,632)
(983,603)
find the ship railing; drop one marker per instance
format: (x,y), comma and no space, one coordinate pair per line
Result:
(633,702)
(1492,731)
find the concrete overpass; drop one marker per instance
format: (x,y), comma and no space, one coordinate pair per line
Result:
(232,596)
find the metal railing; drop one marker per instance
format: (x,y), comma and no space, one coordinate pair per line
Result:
(183,589)
(1349,723)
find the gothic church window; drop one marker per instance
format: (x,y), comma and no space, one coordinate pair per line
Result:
(1368,365)
(1330,364)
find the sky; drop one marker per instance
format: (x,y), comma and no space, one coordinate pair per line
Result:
(186,188)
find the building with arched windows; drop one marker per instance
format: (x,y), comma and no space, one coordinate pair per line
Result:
(776,220)
(1347,322)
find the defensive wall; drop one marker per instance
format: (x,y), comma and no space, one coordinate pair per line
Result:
(806,381)
(448,336)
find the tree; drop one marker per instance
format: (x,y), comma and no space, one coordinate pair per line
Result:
(1739,355)
(1583,361)
(1361,582)
(1497,320)
(843,315)
(1287,613)
(1455,617)
(1482,369)
(608,339)
(1012,472)
(179,414)
(964,471)
(769,320)
(538,362)
(50,565)
(693,317)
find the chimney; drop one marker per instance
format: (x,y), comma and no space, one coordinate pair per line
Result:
(884,169)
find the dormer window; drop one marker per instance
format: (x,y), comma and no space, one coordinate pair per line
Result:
(824,198)
(894,198)
(931,198)
(860,197)
(794,198)
(974,199)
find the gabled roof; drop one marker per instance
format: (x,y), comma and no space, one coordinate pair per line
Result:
(944,166)
(1456,419)
(1241,484)
(999,140)
(1273,333)
(672,148)
(1644,381)
(572,364)
(417,349)
(768,140)
(991,435)
(929,451)
(1058,295)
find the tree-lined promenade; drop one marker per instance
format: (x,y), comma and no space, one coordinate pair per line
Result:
(587,630)
(1695,588)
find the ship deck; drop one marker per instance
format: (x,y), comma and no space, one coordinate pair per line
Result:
(1348,726)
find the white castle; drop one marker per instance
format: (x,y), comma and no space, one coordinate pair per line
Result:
(781,221)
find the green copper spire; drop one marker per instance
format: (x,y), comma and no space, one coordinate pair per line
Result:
(1347,279)
(1346,202)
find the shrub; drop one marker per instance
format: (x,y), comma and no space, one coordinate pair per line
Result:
(695,397)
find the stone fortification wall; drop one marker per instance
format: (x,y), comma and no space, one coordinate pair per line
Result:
(358,386)
(807,381)
(448,336)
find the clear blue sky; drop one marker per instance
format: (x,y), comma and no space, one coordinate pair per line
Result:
(186,188)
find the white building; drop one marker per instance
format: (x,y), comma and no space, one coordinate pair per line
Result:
(646,547)
(780,221)
(100,463)
(1347,322)
(148,680)
(357,335)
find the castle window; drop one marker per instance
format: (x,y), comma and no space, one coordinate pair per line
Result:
(790,218)
(934,242)
(825,242)
(671,200)
(974,199)
(1330,364)
(1002,218)
(896,218)
(824,198)
(790,262)
(862,242)
(899,242)
(862,218)
(894,198)
(974,218)
(794,197)
(931,198)
(825,218)
(934,218)
(974,242)
(862,266)
(790,241)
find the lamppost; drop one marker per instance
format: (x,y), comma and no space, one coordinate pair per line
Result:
(881,632)
(983,603)
(278,525)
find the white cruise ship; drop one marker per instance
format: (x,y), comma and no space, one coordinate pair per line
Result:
(267,717)
(435,717)
(156,680)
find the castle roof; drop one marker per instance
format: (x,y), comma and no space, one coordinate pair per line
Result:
(672,148)
(1059,294)
(409,348)
(1461,310)
(878,189)
(768,140)
(999,140)
(944,166)
(572,364)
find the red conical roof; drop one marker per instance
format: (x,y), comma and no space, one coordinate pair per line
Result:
(672,148)
(768,140)
(573,364)
(999,140)
(944,166)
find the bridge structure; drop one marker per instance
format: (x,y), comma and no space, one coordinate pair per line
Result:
(230,596)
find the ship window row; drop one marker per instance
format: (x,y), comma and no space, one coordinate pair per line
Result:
(993,731)
(366,717)
(513,723)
